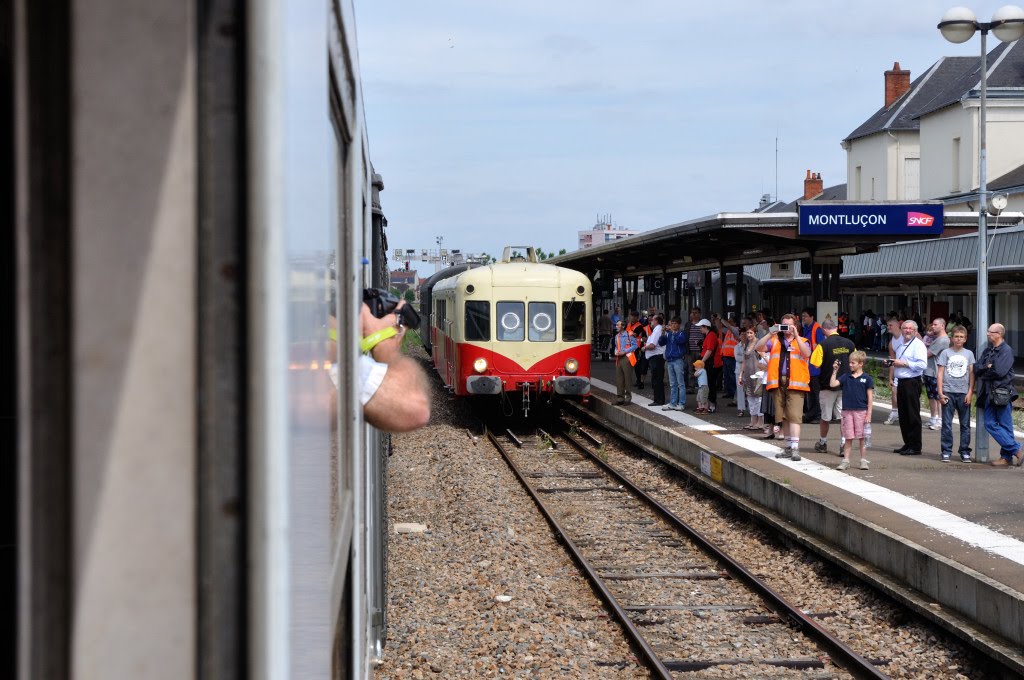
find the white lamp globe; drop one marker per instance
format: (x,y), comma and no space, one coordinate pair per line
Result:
(1011,23)
(958,25)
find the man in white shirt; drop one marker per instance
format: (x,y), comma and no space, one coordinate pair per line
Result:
(655,355)
(911,358)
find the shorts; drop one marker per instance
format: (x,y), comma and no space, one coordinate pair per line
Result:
(853,424)
(831,403)
(793,411)
(931,386)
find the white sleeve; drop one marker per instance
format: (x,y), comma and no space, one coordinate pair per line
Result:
(371,375)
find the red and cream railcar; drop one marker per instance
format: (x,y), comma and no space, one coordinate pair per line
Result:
(516,326)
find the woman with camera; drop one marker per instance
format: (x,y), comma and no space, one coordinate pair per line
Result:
(789,379)
(993,374)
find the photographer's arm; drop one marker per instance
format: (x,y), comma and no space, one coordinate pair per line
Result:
(402,401)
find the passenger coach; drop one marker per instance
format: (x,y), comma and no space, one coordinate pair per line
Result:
(515,326)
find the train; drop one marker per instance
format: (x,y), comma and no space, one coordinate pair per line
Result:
(518,330)
(191,489)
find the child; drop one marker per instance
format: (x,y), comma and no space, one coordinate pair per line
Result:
(701,376)
(955,376)
(858,391)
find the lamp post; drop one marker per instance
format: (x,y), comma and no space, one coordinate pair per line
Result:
(958,26)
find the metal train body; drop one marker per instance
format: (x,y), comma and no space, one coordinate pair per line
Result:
(191,488)
(516,326)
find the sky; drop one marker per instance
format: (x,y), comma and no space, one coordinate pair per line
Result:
(520,123)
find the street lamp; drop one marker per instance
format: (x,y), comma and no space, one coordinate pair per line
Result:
(958,26)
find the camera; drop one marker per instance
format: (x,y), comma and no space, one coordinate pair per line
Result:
(887,362)
(783,327)
(382,303)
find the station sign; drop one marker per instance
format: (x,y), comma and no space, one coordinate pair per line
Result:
(870,219)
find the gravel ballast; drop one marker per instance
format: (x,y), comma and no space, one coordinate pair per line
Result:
(485,590)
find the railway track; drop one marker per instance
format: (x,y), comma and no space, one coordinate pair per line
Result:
(685,604)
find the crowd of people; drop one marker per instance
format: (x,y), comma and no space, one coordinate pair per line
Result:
(798,371)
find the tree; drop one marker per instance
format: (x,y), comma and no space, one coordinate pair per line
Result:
(541,255)
(410,295)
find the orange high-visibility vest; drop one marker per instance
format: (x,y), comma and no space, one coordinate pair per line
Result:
(814,335)
(619,348)
(729,344)
(799,372)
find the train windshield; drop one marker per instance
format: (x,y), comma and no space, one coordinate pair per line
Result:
(542,322)
(574,321)
(478,320)
(510,321)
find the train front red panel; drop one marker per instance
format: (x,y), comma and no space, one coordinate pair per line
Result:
(511,373)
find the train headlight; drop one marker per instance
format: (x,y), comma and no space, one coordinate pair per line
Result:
(480,365)
(571,366)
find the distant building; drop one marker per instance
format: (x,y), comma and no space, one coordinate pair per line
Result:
(603,232)
(923,142)
(404,279)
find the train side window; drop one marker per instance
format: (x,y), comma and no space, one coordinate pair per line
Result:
(574,321)
(478,320)
(542,322)
(510,321)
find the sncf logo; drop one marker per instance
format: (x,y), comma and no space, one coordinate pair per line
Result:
(916,219)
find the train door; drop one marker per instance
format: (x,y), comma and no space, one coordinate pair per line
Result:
(450,350)
(437,336)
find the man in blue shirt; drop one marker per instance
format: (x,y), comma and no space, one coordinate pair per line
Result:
(676,346)
(813,333)
(992,371)
(624,344)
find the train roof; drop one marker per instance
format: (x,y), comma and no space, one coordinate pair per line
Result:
(521,274)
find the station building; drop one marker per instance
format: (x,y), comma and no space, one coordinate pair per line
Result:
(920,146)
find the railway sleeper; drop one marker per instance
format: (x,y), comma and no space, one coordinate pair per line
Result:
(682,575)
(690,607)
(692,666)
(772,618)
(579,489)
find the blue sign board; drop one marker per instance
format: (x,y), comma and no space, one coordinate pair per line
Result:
(870,219)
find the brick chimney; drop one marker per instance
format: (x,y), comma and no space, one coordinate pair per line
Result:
(897,82)
(812,185)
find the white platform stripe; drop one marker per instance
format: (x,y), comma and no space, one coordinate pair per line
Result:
(928,515)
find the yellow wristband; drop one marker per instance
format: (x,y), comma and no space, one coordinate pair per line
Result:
(373,339)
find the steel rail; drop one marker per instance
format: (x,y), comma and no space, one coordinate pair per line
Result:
(840,651)
(655,664)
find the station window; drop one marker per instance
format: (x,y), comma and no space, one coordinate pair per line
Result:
(478,320)
(542,322)
(574,321)
(510,321)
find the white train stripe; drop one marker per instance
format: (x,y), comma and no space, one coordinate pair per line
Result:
(928,515)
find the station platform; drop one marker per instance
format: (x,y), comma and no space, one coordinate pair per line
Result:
(946,539)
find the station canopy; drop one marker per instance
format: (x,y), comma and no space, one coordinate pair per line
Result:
(733,239)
